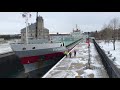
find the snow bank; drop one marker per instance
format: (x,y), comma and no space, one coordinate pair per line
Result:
(115,53)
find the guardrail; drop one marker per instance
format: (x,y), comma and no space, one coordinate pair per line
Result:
(111,69)
(74,42)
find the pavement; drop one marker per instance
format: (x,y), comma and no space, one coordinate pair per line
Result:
(76,66)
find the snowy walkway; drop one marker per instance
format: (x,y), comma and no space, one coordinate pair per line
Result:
(75,67)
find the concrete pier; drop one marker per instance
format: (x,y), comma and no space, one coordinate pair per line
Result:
(76,66)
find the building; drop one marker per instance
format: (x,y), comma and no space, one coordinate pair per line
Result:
(42,32)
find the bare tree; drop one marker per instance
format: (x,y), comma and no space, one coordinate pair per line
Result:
(106,33)
(109,33)
(114,26)
(118,34)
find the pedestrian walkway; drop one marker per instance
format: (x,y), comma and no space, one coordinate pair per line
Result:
(75,66)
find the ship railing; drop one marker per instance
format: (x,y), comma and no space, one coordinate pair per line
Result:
(16,43)
(73,42)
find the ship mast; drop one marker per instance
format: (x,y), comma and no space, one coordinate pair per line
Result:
(36,25)
(76,26)
(26,15)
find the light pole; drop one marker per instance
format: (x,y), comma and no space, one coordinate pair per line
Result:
(88,50)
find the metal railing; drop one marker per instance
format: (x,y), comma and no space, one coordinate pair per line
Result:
(111,69)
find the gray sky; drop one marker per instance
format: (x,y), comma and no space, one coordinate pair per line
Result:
(62,22)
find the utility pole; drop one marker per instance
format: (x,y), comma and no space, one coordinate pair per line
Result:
(89,50)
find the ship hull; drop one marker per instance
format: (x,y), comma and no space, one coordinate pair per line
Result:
(32,59)
(30,53)
(39,52)
(37,58)
(42,57)
(31,56)
(36,63)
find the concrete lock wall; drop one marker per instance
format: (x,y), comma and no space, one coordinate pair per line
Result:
(9,65)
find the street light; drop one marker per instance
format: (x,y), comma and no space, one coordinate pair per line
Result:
(89,50)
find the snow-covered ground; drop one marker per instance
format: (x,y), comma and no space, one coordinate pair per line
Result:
(115,53)
(75,67)
(5,47)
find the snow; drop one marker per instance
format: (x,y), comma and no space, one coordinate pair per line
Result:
(87,72)
(76,66)
(97,67)
(5,47)
(115,53)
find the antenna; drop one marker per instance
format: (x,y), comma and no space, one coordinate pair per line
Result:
(36,24)
(73,29)
(76,26)
(26,15)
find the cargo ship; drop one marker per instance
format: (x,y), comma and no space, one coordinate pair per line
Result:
(37,53)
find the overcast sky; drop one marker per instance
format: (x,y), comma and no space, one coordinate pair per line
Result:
(62,22)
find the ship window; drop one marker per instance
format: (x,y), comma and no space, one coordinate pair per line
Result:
(24,48)
(33,48)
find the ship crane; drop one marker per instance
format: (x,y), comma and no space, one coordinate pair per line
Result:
(26,15)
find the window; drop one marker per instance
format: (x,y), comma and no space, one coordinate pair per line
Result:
(33,48)
(24,48)
(63,44)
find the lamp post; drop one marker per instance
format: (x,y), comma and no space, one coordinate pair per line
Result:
(89,50)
